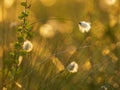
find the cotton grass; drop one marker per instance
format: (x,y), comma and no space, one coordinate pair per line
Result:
(27,46)
(72,67)
(84,26)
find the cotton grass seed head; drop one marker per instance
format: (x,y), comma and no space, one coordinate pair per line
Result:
(84,26)
(20,60)
(104,88)
(72,67)
(27,46)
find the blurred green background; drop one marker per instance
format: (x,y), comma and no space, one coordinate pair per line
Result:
(58,41)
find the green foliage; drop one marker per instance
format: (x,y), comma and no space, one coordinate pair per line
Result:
(19,29)
(17,45)
(24,4)
(23,53)
(20,39)
(24,32)
(29,28)
(30,35)
(12,54)
(23,15)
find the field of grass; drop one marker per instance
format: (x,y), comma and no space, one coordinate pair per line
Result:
(57,42)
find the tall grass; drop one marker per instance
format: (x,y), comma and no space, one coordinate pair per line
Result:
(97,52)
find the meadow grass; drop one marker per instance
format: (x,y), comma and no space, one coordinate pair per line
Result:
(97,52)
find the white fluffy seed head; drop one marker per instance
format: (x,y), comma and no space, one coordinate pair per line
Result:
(20,60)
(84,26)
(27,46)
(104,88)
(72,67)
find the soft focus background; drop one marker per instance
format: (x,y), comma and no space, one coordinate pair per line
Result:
(58,41)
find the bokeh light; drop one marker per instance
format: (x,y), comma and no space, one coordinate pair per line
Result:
(3,14)
(8,3)
(87,65)
(47,31)
(57,63)
(110,2)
